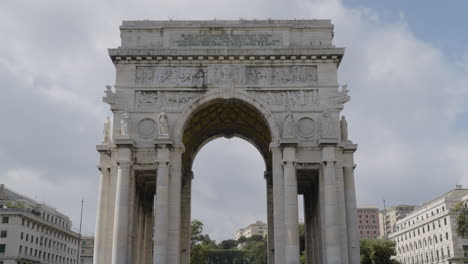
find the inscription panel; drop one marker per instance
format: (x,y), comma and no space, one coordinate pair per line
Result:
(239,40)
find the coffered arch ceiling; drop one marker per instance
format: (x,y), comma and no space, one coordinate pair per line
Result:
(227,118)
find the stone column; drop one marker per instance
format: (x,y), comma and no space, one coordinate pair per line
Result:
(332,239)
(351,212)
(270,225)
(309,227)
(100,229)
(278,205)
(148,251)
(291,219)
(122,209)
(175,187)
(161,225)
(185,218)
(341,205)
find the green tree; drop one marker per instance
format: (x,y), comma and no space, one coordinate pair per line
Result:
(196,234)
(228,244)
(462,219)
(255,238)
(200,243)
(377,251)
(258,252)
(242,239)
(199,254)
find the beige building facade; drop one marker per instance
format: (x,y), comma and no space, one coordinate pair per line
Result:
(389,217)
(33,232)
(87,250)
(428,234)
(180,84)
(258,228)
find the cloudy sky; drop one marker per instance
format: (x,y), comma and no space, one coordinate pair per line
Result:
(406,64)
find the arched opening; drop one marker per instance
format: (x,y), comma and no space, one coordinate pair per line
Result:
(228,189)
(226,118)
(227,174)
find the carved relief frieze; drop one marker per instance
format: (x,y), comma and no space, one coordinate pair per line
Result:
(289,99)
(171,76)
(163,99)
(185,76)
(222,74)
(281,75)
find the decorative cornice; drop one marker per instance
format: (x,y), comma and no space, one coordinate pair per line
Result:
(154,56)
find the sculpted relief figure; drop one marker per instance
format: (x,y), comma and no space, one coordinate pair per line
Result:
(344,129)
(163,128)
(288,128)
(170,76)
(328,125)
(106,131)
(341,97)
(124,123)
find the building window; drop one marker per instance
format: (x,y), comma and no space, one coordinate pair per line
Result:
(3,234)
(5,220)
(2,248)
(465,251)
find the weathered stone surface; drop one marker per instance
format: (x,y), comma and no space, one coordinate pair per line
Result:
(180,84)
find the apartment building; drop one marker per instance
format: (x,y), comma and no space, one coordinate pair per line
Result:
(33,232)
(368,222)
(428,235)
(258,228)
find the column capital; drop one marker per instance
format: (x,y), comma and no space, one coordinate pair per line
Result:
(163,163)
(124,163)
(328,163)
(163,143)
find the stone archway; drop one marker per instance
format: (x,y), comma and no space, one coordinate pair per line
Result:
(180,84)
(216,118)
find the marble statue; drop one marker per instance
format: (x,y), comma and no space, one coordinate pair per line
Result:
(344,129)
(162,124)
(124,123)
(106,131)
(288,129)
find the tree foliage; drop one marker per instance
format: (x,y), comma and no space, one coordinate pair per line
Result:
(200,244)
(462,219)
(377,251)
(196,234)
(228,244)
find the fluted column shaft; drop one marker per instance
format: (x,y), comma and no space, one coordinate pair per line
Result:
(291,206)
(161,221)
(270,225)
(102,203)
(278,205)
(332,247)
(351,214)
(121,218)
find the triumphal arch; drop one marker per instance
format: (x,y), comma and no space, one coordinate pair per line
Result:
(180,84)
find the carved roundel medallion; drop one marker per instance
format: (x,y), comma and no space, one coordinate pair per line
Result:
(147,128)
(306,127)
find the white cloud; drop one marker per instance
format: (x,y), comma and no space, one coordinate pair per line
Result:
(407,101)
